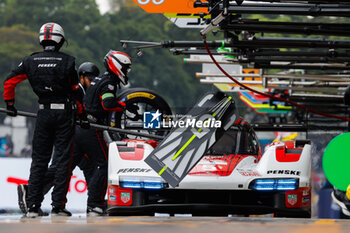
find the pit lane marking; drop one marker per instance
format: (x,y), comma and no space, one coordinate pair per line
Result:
(325,221)
(321,226)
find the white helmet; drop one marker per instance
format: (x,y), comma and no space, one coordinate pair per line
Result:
(51,32)
(118,63)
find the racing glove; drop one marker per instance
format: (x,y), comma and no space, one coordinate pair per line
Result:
(133,109)
(11,107)
(83,121)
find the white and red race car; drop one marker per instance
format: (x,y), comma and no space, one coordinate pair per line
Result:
(232,178)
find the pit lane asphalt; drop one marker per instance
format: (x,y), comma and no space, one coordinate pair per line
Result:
(80,223)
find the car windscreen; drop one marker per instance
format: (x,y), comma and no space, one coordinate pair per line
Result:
(236,141)
(248,143)
(226,144)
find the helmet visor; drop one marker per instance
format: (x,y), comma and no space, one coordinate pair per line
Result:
(126,69)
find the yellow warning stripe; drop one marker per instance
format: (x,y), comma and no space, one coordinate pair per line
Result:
(325,221)
(161,171)
(184,146)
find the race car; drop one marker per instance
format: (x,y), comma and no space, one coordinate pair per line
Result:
(232,178)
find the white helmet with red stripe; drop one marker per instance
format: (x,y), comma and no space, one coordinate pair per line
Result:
(118,63)
(51,32)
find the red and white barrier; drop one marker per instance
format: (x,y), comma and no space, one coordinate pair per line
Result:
(14,171)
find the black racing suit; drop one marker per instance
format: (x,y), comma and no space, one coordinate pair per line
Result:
(99,100)
(81,160)
(53,78)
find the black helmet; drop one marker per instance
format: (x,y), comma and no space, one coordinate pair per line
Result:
(88,69)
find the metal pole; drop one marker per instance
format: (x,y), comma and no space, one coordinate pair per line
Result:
(101,127)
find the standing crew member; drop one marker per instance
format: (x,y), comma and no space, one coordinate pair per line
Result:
(99,100)
(53,78)
(83,158)
(87,72)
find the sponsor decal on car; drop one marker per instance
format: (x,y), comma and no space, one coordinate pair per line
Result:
(125,197)
(112,197)
(306,200)
(297,198)
(292,199)
(111,190)
(248,173)
(130,170)
(306,193)
(285,172)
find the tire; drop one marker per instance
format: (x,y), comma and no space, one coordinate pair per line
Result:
(146,100)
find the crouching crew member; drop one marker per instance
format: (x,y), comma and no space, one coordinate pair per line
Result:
(100,99)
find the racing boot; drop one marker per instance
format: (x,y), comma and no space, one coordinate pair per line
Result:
(34,212)
(56,212)
(22,194)
(342,200)
(95,211)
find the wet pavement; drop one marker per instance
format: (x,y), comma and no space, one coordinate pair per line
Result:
(80,223)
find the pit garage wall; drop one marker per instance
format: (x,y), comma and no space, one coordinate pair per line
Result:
(17,128)
(16,170)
